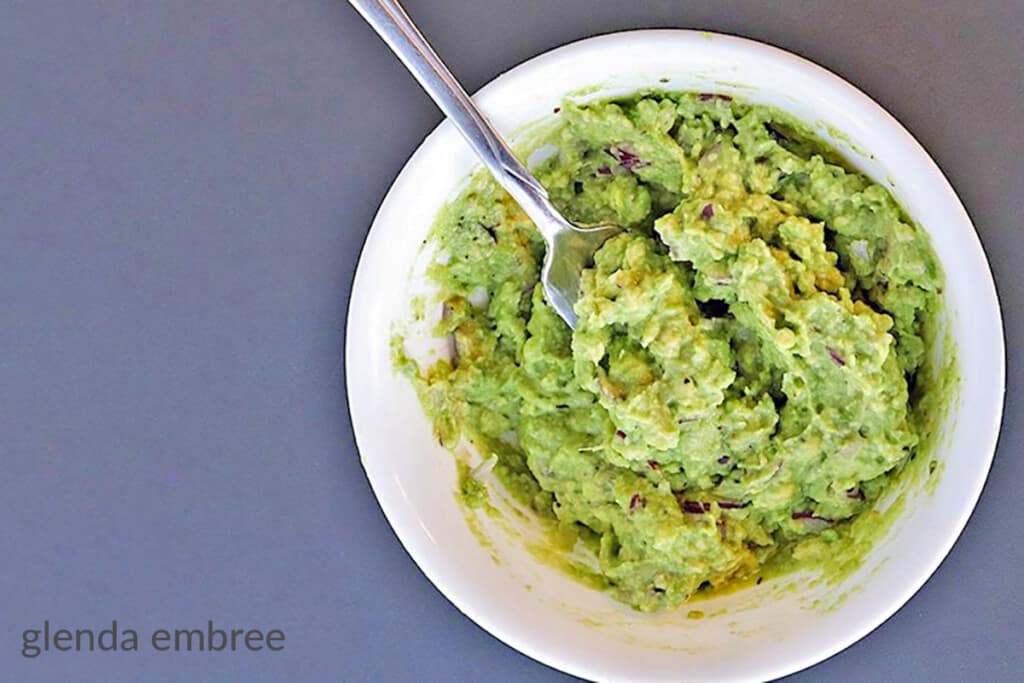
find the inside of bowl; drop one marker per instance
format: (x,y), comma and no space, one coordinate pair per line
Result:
(518,544)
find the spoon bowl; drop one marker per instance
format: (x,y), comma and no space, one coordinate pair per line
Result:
(570,249)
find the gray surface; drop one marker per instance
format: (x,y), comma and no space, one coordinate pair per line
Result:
(184,188)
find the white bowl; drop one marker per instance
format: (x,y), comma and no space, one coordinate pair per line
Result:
(754,634)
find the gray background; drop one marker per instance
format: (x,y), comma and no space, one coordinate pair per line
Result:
(184,189)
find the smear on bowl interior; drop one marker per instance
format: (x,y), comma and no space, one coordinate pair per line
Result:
(750,369)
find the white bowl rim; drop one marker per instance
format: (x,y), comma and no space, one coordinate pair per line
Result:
(988,442)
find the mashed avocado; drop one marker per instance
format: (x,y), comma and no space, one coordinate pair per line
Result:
(751,354)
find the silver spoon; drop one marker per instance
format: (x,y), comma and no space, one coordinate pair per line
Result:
(570,247)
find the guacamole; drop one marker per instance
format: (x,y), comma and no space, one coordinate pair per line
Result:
(751,354)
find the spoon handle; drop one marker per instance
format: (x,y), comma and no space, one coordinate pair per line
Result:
(392,24)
